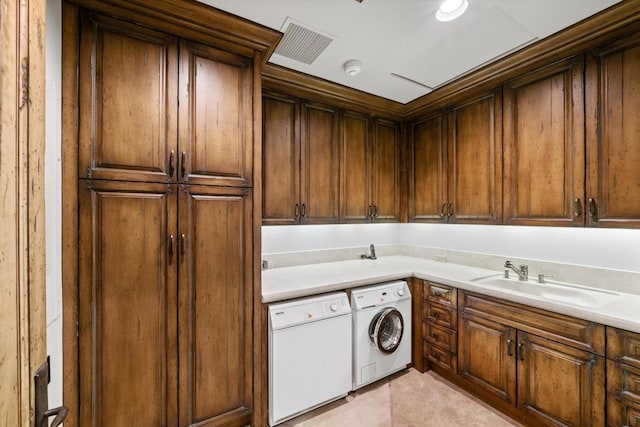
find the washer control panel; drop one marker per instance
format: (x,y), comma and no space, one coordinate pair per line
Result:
(376,295)
(287,314)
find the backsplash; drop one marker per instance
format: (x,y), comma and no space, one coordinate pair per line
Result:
(592,257)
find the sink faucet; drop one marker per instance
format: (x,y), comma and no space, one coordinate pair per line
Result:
(372,253)
(522,271)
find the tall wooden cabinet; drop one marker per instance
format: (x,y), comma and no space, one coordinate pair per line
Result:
(166,233)
(300,161)
(456,171)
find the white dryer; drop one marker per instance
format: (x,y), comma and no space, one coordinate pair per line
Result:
(381,331)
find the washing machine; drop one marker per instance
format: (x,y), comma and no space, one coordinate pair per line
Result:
(381,331)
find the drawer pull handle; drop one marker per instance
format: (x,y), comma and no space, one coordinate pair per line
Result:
(509,347)
(439,292)
(435,336)
(435,315)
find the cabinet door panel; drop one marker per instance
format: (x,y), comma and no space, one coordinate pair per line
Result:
(544,147)
(215,311)
(280,160)
(559,385)
(385,172)
(613,132)
(475,161)
(319,170)
(127,305)
(127,101)
(216,117)
(354,170)
(487,356)
(427,176)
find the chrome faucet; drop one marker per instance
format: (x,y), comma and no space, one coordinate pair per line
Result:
(522,271)
(372,253)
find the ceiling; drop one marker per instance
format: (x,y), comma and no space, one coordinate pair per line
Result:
(405,52)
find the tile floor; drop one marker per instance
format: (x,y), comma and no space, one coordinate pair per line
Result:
(406,399)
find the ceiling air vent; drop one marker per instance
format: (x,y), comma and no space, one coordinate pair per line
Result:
(302,43)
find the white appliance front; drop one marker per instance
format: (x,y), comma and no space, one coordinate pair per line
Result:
(385,349)
(310,355)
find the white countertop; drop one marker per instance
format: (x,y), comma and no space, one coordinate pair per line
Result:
(311,279)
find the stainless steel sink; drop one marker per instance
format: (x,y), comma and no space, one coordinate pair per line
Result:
(552,290)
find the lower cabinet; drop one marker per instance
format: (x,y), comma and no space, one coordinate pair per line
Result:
(165,304)
(623,378)
(439,326)
(542,368)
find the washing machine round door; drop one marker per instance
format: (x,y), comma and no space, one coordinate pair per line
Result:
(385,330)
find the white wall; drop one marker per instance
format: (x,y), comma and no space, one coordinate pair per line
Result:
(296,238)
(53,189)
(607,248)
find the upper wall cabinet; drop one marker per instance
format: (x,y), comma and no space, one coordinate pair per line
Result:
(544,147)
(300,162)
(369,170)
(427,170)
(457,178)
(131,80)
(613,132)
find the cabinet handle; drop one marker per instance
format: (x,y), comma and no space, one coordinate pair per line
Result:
(183,243)
(435,315)
(296,211)
(171,248)
(577,207)
(442,214)
(439,292)
(437,356)
(521,351)
(435,336)
(509,347)
(449,209)
(375,211)
(172,163)
(593,210)
(370,214)
(303,211)
(183,164)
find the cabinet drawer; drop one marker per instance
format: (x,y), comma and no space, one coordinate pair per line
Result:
(622,412)
(444,338)
(623,346)
(441,294)
(442,358)
(577,333)
(440,315)
(623,380)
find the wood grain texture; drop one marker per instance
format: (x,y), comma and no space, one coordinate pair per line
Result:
(544,156)
(427,170)
(558,384)
(22,222)
(355,168)
(475,160)
(127,303)
(128,105)
(487,356)
(612,102)
(280,159)
(70,125)
(319,159)
(385,171)
(215,330)
(216,117)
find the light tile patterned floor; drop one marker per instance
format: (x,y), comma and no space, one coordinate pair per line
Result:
(406,399)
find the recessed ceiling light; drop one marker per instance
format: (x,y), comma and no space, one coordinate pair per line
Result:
(451,9)
(352,67)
